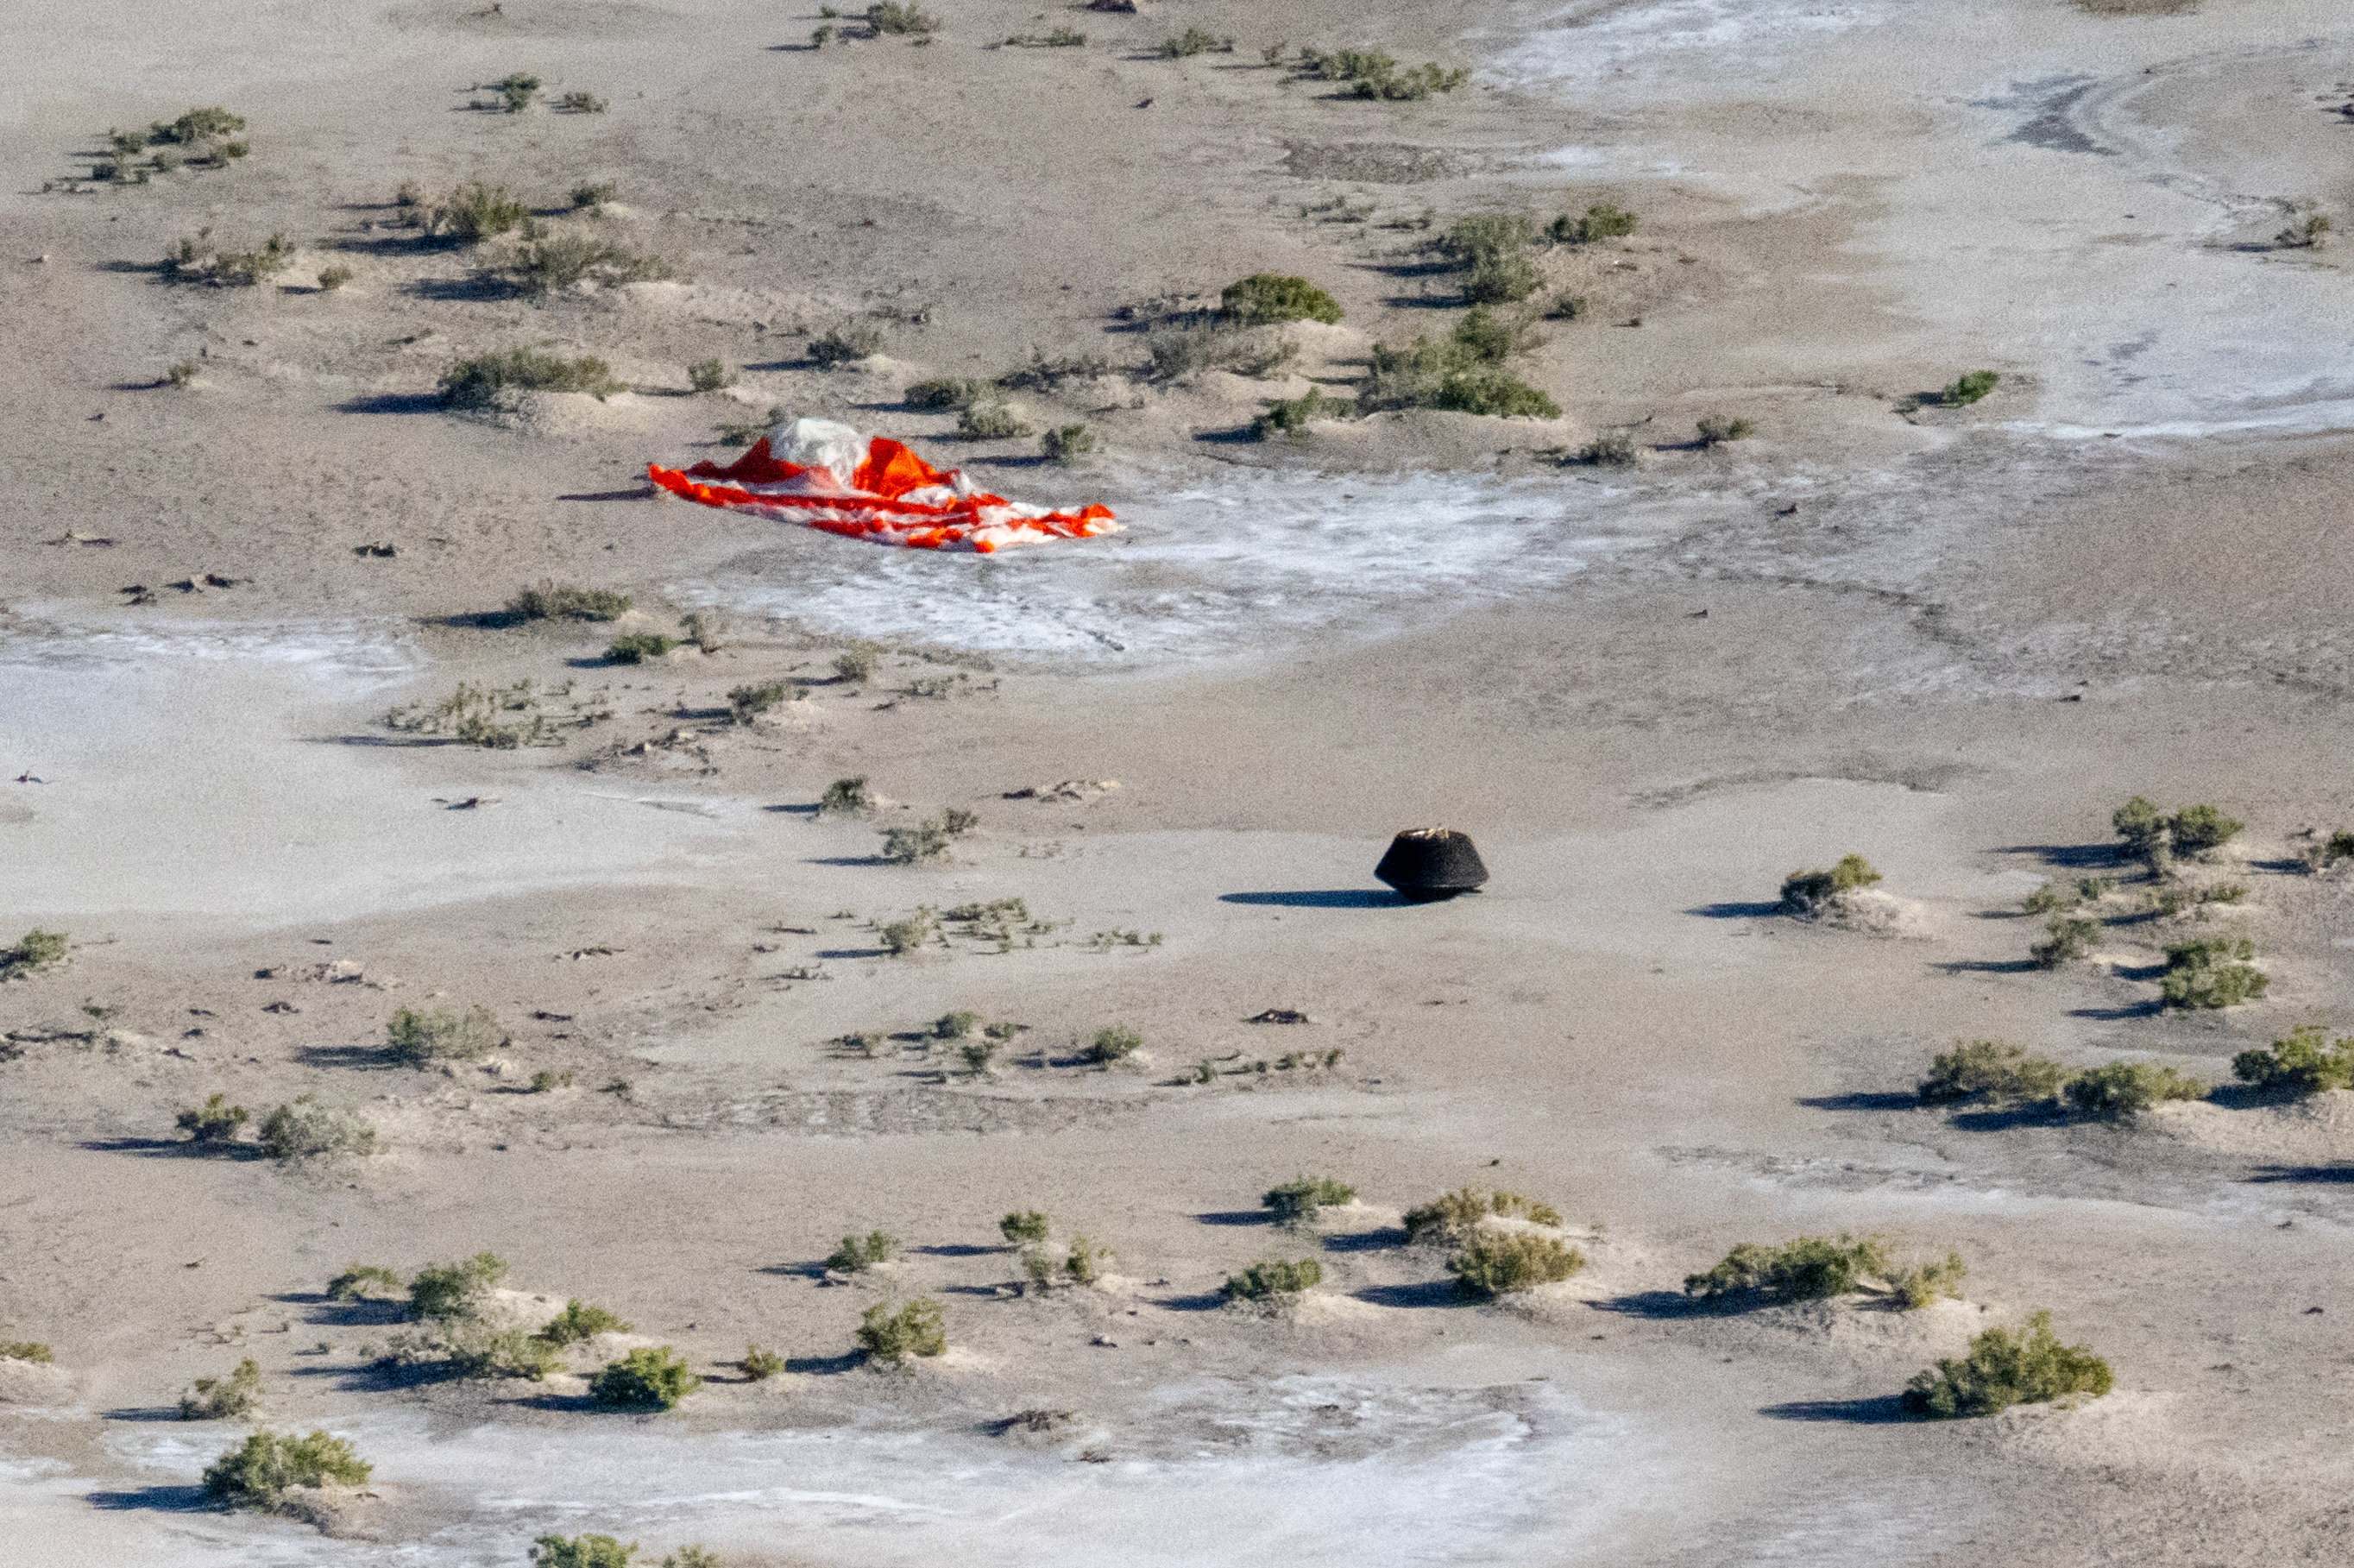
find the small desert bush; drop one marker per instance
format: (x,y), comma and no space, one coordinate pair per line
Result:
(1116,1042)
(224,1398)
(709,376)
(361,1281)
(845,345)
(1193,41)
(198,261)
(333,278)
(1272,1279)
(1065,444)
(552,600)
(2326,850)
(1289,415)
(581,104)
(1083,1261)
(1603,220)
(1968,388)
(927,840)
(305,1130)
(477,1349)
(1497,1264)
(1613,451)
(1808,1268)
(1991,1072)
(900,20)
(2066,939)
(476,715)
(26,1351)
(2305,233)
(214,1122)
(2210,972)
(587,197)
(954,1025)
(414,1039)
(1447,376)
(2307,1062)
(197,125)
(1715,429)
(989,422)
(760,1365)
(1370,73)
(475,212)
(451,1292)
(1923,1284)
(1810,892)
(916,1330)
(516,92)
(900,938)
(747,702)
(857,1255)
(1489,338)
(649,1377)
(928,396)
(1299,1201)
(258,1473)
(2150,834)
(1491,252)
(2007,1367)
(578,1322)
(1263,299)
(2124,1089)
(581,1551)
(479,382)
(551,263)
(1179,351)
(637,647)
(1454,1215)
(846,796)
(1023,1226)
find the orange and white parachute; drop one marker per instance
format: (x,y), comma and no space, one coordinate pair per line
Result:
(830,476)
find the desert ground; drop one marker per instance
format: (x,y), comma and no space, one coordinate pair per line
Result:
(251,550)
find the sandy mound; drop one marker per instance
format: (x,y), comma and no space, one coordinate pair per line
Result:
(35,1383)
(2317,1129)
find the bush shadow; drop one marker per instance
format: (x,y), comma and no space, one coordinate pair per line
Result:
(1757,911)
(327,1311)
(959,1249)
(161,1500)
(1367,1241)
(393,403)
(142,1413)
(1329,898)
(826,1366)
(1424,1293)
(1236,1217)
(2149,1009)
(1863,1100)
(2069,854)
(2335,1174)
(1203,1301)
(348,1058)
(2002,1118)
(169,1147)
(1988,966)
(1654,1304)
(1878,1411)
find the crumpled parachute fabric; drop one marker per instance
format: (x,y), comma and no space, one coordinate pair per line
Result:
(828,476)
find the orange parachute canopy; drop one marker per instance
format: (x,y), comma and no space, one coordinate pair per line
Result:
(828,476)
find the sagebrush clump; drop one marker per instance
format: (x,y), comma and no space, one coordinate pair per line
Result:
(305,1130)
(2150,834)
(414,1039)
(1273,1280)
(481,382)
(637,647)
(581,1551)
(224,1398)
(2066,939)
(2307,1062)
(35,951)
(1451,1216)
(648,1378)
(259,1472)
(1807,1268)
(1992,1072)
(1299,1201)
(927,840)
(214,1122)
(858,1254)
(447,1293)
(577,1323)
(1496,1264)
(1968,388)
(1115,1042)
(2007,1367)
(551,601)
(1023,1225)
(1807,893)
(363,1282)
(2126,1090)
(2210,972)
(1263,299)
(916,1330)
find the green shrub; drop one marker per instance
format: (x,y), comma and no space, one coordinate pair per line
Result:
(1425,374)
(1452,1216)
(198,261)
(637,647)
(1488,338)
(2048,897)
(224,1398)
(2141,825)
(934,396)
(1115,1042)
(1023,1225)
(954,1025)
(1289,415)
(2066,939)
(361,1281)
(479,382)
(1272,1279)
(516,92)
(858,1254)
(2007,1367)
(747,702)
(214,1122)
(900,938)
(2210,972)
(33,952)
(927,840)
(197,125)
(1083,1261)
(258,1473)
(1299,1201)
(1969,389)
(451,1292)
(551,601)
(306,1129)
(845,344)
(475,212)
(900,20)
(478,1349)
(709,376)
(550,263)
(2201,829)
(581,1551)
(1809,892)
(1370,73)
(1612,451)
(1715,429)
(1263,299)
(1990,1071)
(760,1365)
(916,1330)
(578,1322)
(581,104)
(333,278)
(2124,1089)
(1493,1264)
(1923,1284)
(1602,221)
(2325,851)
(587,197)
(26,1351)
(1066,444)
(414,1039)
(548,1081)
(989,422)
(1491,252)
(847,796)
(2305,1063)
(1808,1268)
(1191,42)
(647,1378)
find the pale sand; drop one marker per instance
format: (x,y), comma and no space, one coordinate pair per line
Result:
(1976,632)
